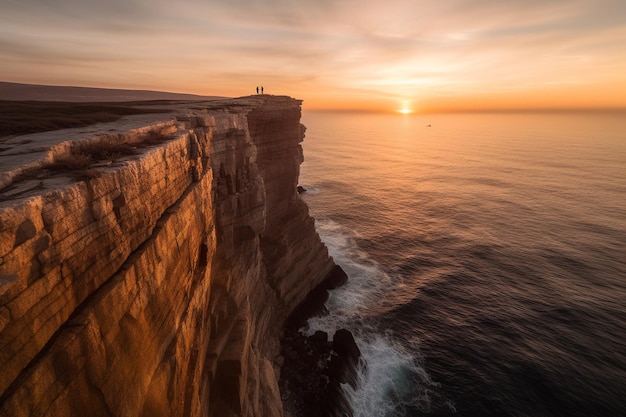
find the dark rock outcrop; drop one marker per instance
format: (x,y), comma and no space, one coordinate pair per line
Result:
(345,359)
(313,304)
(314,370)
(335,278)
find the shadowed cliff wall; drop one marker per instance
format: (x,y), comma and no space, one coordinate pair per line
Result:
(160,286)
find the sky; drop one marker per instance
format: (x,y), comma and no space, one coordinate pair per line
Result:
(391,55)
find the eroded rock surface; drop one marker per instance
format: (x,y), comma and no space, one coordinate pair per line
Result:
(159,285)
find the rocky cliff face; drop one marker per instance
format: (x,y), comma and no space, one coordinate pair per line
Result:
(158,284)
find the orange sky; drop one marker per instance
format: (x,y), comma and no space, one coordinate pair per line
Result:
(418,55)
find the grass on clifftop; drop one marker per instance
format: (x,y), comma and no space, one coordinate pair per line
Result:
(81,162)
(23,117)
(107,148)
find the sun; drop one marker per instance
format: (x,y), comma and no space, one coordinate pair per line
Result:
(405,107)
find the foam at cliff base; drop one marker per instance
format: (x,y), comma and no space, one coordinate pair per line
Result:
(393,379)
(392,382)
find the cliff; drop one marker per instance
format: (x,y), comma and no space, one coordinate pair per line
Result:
(156,281)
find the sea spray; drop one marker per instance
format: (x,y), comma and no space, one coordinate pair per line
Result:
(392,380)
(393,383)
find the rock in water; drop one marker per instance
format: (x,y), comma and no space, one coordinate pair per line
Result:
(313,304)
(336,278)
(345,358)
(343,369)
(314,368)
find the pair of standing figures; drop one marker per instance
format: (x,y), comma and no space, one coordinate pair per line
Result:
(257,90)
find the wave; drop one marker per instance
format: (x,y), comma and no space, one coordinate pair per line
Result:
(393,380)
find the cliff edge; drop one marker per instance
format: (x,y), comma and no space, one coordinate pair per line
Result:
(155,277)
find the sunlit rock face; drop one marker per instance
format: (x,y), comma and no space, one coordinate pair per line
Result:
(160,286)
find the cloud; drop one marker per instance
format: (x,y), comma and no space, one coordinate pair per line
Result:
(404,47)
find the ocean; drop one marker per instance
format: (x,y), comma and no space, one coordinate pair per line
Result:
(486,256)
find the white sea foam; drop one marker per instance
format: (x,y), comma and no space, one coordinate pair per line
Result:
(392,381)
(366,283)
(393,378)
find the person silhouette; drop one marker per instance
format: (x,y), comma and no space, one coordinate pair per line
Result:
(261,89)
(257,90)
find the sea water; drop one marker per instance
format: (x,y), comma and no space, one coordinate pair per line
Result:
(486,256)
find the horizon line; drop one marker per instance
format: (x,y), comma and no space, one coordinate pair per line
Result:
(479,110)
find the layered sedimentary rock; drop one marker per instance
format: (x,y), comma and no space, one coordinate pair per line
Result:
(159,284)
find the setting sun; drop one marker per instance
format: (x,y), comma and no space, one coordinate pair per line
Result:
(405,107)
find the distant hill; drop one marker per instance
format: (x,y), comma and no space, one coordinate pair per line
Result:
(24,92)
